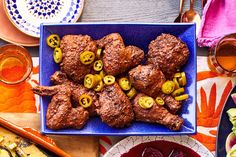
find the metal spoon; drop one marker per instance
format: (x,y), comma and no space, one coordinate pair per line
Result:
(192,16)
(203,4)
(181,4)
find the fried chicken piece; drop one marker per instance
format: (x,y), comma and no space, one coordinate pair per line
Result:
(72,46)
(147,78)
(77,90)
(171,104)
(116,57)
(156,114)
(59,78)
(60,113)
(76,93)
(115,108)
(168,52)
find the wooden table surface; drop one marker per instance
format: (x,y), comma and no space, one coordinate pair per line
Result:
(105,11)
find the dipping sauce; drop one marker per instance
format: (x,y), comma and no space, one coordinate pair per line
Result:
(160,149)
(15,64)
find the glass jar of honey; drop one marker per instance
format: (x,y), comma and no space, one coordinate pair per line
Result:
(15,64)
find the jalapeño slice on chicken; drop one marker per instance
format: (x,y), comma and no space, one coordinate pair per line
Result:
(99,86)
(182,79)
(98,78)
(177,75)
(124,83)
(101,73)
(168,87)
(176,83)
(178,92)
(53,40)
(85,100)
(181,97)
(159,101)
(131,93)
(98,54)
(145,102)
(98,65)
(87,57)
(57,55)
(109,79)
(90,81)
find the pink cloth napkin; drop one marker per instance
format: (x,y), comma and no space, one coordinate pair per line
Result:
(218,19)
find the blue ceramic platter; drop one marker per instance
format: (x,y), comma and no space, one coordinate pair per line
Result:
(225,126)
(138,34)
(27,15)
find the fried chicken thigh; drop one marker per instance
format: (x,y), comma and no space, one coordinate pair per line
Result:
(168,52)
(156,114)
(115,108)
(147,78)
(116,57)
(60,113)
(72,46)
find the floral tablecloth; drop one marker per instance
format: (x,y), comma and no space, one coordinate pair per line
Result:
(212,92)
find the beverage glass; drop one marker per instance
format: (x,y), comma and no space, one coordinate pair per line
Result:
(15,64)
(222,58)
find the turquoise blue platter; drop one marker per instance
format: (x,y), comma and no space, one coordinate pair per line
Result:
(138,34)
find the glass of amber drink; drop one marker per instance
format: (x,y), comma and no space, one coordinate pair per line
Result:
(222,58)
(15,64)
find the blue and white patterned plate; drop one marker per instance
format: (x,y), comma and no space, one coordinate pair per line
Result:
(27,15)
(126,144)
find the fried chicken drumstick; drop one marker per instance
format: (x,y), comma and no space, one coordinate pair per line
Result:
(156,114)
(148,79)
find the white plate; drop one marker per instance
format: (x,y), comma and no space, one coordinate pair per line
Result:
(126,144)
(27,15)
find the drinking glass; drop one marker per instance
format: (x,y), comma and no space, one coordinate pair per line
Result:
(222,58)
(15,64)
